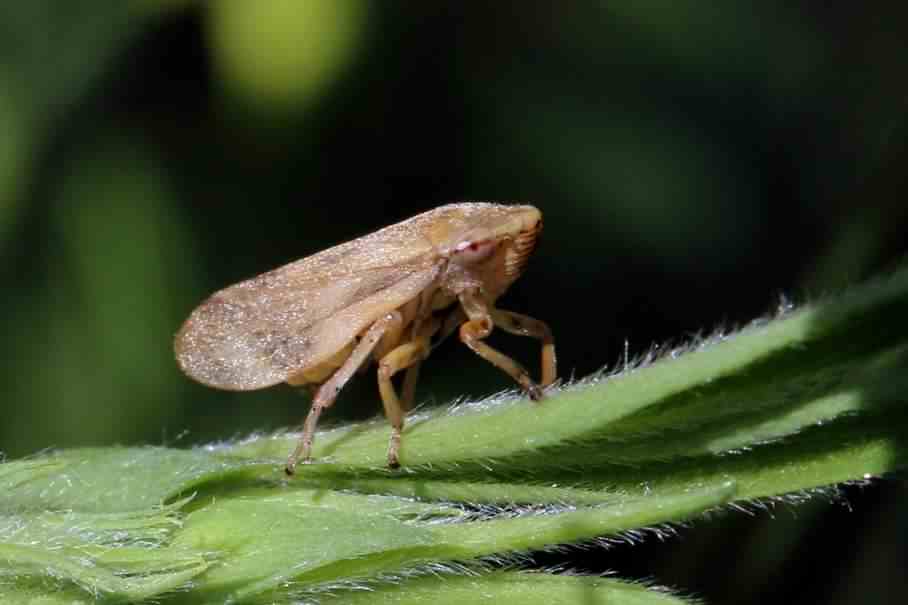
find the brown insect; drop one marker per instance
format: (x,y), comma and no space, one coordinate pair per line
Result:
(386,296)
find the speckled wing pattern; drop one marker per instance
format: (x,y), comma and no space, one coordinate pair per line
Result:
(259,332)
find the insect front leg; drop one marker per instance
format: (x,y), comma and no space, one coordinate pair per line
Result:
(477,328)
(522,325)
(327,392)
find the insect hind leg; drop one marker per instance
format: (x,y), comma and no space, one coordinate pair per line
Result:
(327,393)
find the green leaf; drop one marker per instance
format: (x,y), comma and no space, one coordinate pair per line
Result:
(112,555)
(108,479)
(508,587)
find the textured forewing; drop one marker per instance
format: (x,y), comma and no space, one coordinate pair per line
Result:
(259,332)
(400,245)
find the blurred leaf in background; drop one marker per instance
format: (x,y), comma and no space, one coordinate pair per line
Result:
(98,346)
(282,54)
(50,55)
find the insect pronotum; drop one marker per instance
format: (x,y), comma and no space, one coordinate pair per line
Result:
(389,296)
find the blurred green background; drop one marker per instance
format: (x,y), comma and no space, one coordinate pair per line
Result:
(695,162)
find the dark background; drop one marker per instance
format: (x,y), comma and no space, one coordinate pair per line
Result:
(696,163)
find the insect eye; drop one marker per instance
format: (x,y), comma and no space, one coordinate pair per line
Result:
(469,252)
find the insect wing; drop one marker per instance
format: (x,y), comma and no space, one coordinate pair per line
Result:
(259,332)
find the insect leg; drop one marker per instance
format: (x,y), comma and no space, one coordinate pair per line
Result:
(327,392)
(522,325)
(408,355)
(408,392)
(478,327)
(450,325)
(423,328)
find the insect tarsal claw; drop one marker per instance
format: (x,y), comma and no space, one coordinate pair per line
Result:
(535,392)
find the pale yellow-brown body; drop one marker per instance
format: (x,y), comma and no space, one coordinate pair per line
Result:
(384,296)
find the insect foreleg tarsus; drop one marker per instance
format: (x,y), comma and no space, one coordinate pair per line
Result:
(477,328)
(326,394)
